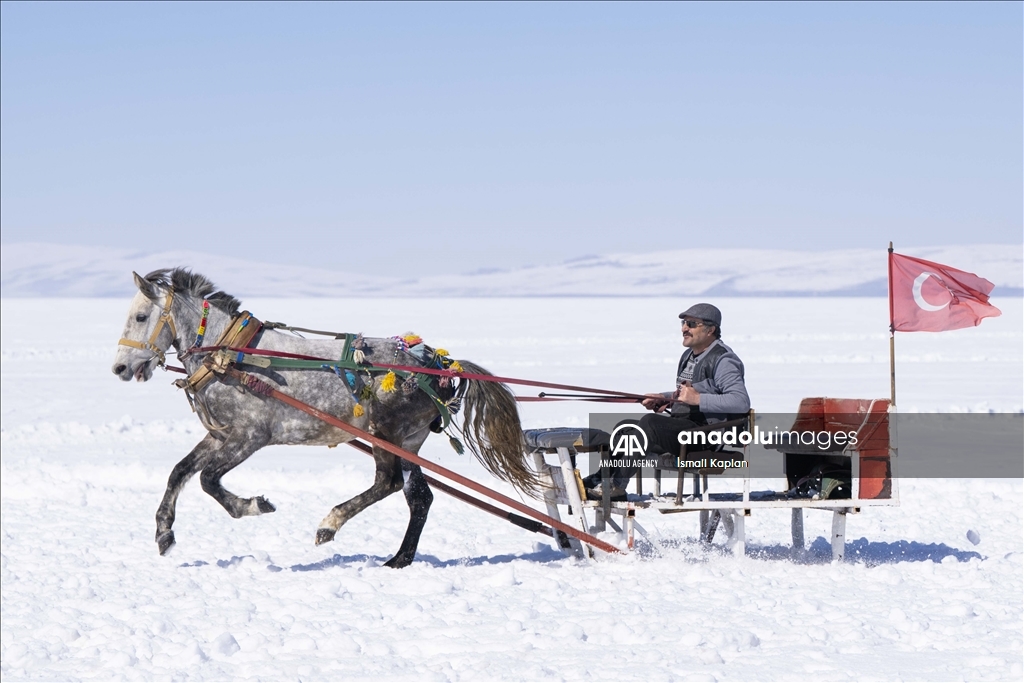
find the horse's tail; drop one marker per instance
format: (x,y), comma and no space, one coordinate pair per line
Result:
(493,432)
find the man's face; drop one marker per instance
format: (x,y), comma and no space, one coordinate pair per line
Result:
(697,334)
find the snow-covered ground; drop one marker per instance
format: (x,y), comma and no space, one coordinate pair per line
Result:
(85,458)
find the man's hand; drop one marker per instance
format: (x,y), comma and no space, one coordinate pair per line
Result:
(655,402)
(688,395)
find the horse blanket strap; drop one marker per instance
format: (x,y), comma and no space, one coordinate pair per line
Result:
(222,357)
(423,381)
(238,334)
(292,328)
(165,319)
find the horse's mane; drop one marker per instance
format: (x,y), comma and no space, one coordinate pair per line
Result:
(184,281)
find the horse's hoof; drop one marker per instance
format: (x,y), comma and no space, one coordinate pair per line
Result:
(164,541)
(324,535)
(264,505)
(398,561)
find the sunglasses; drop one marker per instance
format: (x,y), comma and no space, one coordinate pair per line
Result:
(692,324)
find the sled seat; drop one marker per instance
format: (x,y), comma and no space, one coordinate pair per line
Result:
(575,439)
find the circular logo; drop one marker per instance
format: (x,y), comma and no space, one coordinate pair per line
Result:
(628,439)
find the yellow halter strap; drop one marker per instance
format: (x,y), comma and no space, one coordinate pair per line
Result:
(165,319)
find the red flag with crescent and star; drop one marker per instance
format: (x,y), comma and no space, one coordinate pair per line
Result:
(929,297)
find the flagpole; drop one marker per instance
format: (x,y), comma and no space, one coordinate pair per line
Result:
(892,338)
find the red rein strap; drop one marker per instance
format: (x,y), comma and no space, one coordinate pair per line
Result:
(434,371)
(521,399)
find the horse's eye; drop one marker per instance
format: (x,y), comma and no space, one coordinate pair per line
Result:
(141,318)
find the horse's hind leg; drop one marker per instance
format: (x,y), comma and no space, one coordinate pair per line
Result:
(386,480)
(419,498)
(182,472)
(232,454)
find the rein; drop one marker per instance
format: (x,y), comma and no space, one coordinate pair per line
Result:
(299,361)
(230,353)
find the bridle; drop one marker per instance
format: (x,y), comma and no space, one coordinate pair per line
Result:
(165,319)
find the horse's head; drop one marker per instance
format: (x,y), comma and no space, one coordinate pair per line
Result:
(148,332)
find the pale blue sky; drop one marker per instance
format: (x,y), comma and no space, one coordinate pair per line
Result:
(378,138)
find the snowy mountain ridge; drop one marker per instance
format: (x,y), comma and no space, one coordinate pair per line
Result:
(49,270)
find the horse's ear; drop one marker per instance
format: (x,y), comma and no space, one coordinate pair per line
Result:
(145,286)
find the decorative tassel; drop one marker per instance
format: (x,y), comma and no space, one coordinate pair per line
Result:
(441,352)
(358,411)
(412,339)
(359,356)
(388,383)
(410,385)
(366,393)
(457,445)
(456,366)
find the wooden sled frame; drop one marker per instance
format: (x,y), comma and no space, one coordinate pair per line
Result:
(731,509)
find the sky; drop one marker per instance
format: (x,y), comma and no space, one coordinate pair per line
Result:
(431,138)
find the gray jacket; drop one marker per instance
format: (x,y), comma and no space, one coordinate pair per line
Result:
(718,378)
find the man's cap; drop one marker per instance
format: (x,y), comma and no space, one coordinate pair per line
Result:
(706,312)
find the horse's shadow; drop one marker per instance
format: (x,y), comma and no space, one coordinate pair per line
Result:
(818,552)
(542,555)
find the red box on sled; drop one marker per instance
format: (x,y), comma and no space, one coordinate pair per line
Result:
(869,418)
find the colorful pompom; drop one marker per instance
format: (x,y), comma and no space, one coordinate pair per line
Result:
(388,383)
(441,352)
(358,411)
(456,366)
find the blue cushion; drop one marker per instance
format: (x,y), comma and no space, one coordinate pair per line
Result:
(573,438)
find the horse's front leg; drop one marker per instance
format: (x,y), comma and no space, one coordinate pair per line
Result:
(182,472)
(386,480)
(232,453)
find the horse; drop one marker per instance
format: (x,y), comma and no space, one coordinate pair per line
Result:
(171,303)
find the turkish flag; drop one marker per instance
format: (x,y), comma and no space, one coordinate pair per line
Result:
(930,297)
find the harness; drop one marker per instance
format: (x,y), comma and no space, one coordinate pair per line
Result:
(165,319)
(351,363)
(239,333)
(233,348)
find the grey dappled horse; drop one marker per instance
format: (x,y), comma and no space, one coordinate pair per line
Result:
(240,422)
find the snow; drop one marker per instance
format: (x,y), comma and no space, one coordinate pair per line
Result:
(931,590)
(79,271)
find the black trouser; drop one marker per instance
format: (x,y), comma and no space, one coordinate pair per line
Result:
(662,437)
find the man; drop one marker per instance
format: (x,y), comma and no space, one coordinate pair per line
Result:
(709,388)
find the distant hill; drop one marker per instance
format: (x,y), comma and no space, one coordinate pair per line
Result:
(49,270)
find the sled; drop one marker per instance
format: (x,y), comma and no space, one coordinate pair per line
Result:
(870,464)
